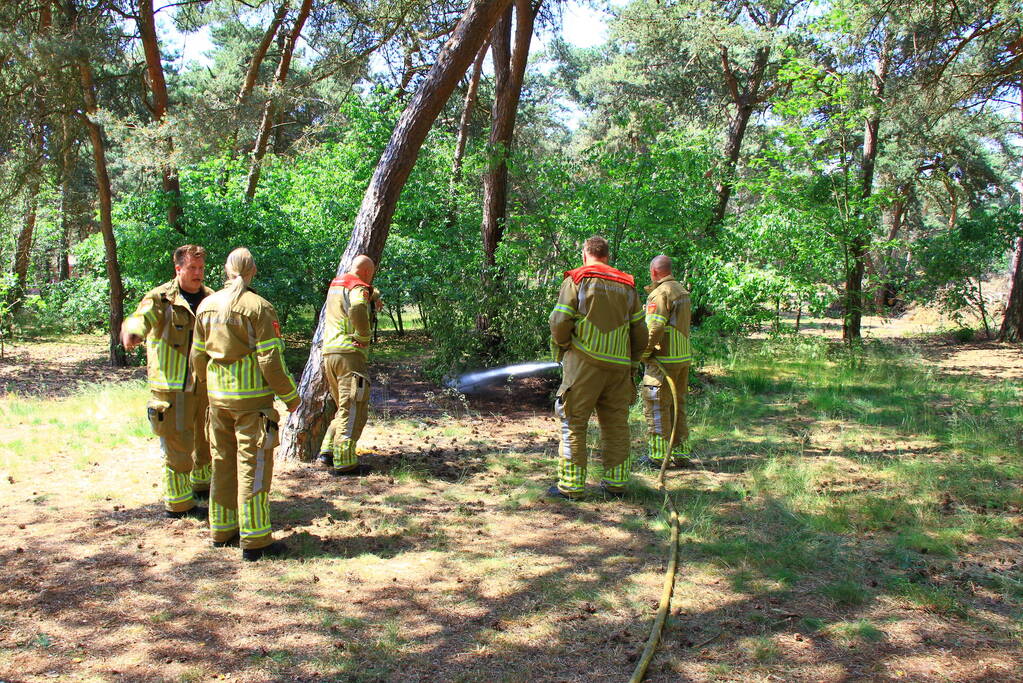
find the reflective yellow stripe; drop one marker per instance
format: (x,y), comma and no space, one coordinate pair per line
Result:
(612,347)
(166,366)
(241,379)
(255,517)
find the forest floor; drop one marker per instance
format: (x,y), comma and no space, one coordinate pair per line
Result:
(854,516)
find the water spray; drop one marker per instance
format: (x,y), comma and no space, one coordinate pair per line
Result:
(471,381)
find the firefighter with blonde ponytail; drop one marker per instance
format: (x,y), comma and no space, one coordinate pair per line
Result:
(238,353)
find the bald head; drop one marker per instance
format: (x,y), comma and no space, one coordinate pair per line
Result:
(363,268)
(660,267)
(661,264)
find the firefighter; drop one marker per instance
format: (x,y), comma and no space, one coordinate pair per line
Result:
(239,354)
(598,332)
(667,319)
(165,319)
(345,362)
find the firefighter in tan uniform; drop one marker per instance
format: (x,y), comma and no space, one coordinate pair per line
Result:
(165,319)
(598,331)
(239,354)
(667,319)
(346,340)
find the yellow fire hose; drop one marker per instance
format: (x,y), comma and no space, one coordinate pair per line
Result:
(669,575)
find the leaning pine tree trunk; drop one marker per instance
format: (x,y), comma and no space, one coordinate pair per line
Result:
(304,429)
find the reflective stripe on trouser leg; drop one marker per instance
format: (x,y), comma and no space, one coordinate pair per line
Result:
(254,520)
(223,521)
(344,455)
(224,484)
(681,449)
(658,447)
(177,490)
(176,443)
(256,432)
(200,477)
(328,439)
(613,404)
(571,475)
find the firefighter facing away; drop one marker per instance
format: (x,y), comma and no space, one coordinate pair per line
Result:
(239,355)
(598,332)
(165,319)
(667,319)
(346,339)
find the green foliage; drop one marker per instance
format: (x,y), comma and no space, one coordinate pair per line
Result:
(954,261)
(81,303)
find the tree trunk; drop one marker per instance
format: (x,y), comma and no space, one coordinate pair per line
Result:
(733,147)
(745,98)
(304,429)
(851,328)
(509,72)
(270,109)
(117,355)
(159,105)
(24,243)
(252,75)
(885,294)
(37,145)
(68,159)
(463,123)
(1012,323)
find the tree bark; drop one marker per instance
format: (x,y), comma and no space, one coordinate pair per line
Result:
(68,159)
(24,242)
(745,98)
(852,324)
(509,73)
(304,429)
(463,122)
(252,75)
(270,108)
(886,292)
(1012,323)
(158,106)
(117,354)
(37,145)
(733,148)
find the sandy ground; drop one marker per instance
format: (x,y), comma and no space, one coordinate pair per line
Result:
(443,565)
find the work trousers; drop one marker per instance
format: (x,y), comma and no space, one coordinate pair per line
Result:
(348,379)
(243,463)
(660,412)
(586,387)
(179,419)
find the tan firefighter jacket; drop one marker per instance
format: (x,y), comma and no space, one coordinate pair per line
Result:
(348,308)
(599,313)
(667,319)
(165,320)
(239,352)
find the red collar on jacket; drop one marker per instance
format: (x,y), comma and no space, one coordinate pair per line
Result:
(348,281)
(601,270)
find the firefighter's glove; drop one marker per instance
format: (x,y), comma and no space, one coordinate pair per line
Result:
(557,352)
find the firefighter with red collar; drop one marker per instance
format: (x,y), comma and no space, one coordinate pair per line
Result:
(165,319)
(598,331)
(346,339)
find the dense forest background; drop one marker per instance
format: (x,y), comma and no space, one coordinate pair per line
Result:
(846,156)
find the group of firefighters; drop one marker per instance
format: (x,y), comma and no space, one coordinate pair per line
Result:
(216,361)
